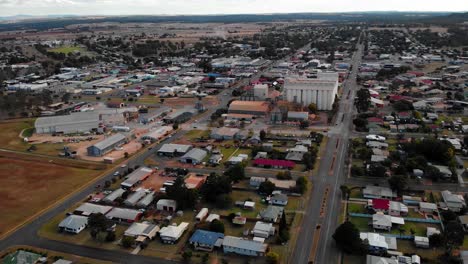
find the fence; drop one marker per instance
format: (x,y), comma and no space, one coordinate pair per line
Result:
(409,219)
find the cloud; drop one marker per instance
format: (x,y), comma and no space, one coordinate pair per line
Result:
(126,7)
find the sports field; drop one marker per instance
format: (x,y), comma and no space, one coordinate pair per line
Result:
(30,184)
(66,49)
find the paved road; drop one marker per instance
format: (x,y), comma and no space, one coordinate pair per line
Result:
(326,194)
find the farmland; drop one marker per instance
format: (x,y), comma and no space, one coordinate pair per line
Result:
(29,185)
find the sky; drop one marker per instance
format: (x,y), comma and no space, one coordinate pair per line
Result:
(172,7)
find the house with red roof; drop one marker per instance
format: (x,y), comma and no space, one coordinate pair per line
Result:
(375,120)
(387,207)
(271,163)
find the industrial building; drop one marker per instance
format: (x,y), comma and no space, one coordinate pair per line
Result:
(67,124)
(106,145)
(256,108)
(320,91)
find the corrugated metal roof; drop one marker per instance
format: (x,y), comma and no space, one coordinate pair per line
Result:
(107,142)
(236,242)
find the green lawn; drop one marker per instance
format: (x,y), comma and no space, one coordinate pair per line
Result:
(355,193)
(356,208)
(244,196)
(197,133)
(66,49)
(227,153)
(407,247)
(361,223)
(10,133)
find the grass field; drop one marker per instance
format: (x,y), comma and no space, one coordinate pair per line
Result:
(197,133)
(10,133)
(66,49)
(27,186)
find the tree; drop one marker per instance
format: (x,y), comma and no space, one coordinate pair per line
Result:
(361,124)
(363,100)
(236,173)
(127,241)
(398,183)
(214,186)
(185,198)
(348,239)
(66,97)
(161,100)
(312,108)
(223,201)
(301,184)
(266,187)
(272,257)
(187,255)
(345,191)
(205,258)
(454,234)
(126,155)
(432,173)
(403,105)
(175,126)
(97,223)
(284,175)
(217,226)
(262,135)
(436,240)
(376,170)
(304,124)
(309,160)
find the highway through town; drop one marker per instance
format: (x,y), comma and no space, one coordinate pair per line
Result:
(314,243)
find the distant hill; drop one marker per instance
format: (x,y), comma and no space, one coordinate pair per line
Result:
(453,18)
(386,17)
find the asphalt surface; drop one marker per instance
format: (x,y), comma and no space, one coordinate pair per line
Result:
(321,213)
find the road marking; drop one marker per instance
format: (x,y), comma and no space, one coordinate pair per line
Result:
(315,243)
(324,202)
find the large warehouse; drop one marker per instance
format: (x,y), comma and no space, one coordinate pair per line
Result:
(257,108)
(67,124)
(320,91)
(106,145)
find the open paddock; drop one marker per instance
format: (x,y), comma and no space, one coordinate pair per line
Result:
(29,185)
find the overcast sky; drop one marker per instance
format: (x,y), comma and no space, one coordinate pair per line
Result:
(157,7)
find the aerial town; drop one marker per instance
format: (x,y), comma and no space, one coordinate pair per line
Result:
(289,138)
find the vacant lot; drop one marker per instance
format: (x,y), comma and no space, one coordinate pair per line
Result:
(66,49)
(10,133)
(27,186)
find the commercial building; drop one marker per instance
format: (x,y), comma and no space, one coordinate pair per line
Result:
(136,177)
(256,108)
(107,145)
(194,156)
(67,124)
(124,215)
(171,150)
(320,91)
(260,91)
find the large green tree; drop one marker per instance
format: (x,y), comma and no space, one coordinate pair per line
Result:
(347,238)
(363,100)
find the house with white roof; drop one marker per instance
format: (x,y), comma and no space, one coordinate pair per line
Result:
(244,247)
(170,234)
(453,202)
(264,230)
(73,224)
(378,243)
(385,222)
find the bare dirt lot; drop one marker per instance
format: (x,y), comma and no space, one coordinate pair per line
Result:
(29,184)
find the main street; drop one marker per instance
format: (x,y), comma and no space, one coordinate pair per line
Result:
(314,242)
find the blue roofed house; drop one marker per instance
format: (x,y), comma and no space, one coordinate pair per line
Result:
(206,240)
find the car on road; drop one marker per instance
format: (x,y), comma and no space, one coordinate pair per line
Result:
(116,173)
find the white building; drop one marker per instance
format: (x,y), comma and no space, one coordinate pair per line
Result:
(320,91)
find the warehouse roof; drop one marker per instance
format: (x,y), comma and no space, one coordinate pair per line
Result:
(195,154)
(171,148)
(72,119)
(89,208)
(114,195)
(136,176)
(123,213)
(254,106)
(108,142)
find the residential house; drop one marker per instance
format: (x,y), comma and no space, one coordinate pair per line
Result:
(194,156)
(271,213)
(264,230)
(244,247)
(385,222)
(421,242)
(142,232)
(428,208)
(256,181)
(166,205)
(21,257)
(124,215)
(370,259)
(215,159)
(453,202)
(279,199)
(171,234)
(463,219)
(444,171)
(377,243)
(212,217)
(206,240)
(73,224)
(432,231)
(296,153)
(411,200)
(371,192)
